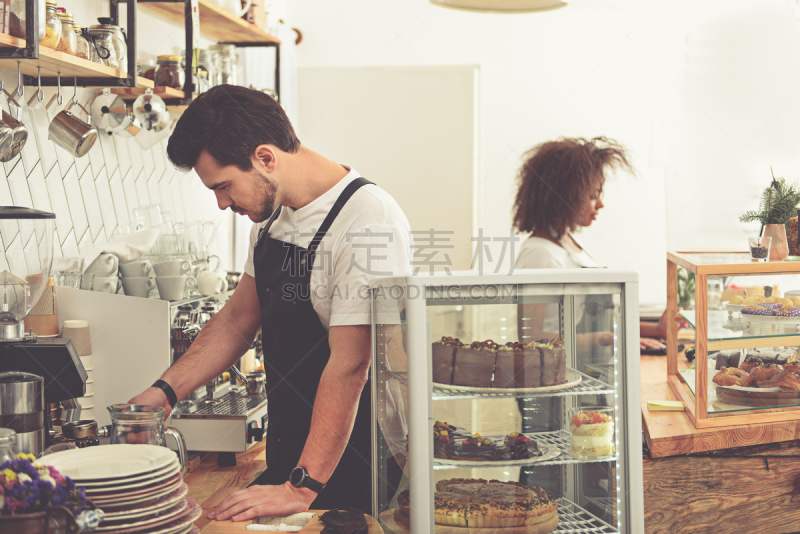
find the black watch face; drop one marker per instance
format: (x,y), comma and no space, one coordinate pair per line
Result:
(297,476)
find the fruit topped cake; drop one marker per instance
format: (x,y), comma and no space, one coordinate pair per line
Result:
(442,354)
(592,434)
(454,443)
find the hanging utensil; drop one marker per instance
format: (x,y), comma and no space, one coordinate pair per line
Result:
(149,110)
(18,130)
(70,132)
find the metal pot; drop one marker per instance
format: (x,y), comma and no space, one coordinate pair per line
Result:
(85,428)
(108,113)
(72,134)
(22,409)
(150,110)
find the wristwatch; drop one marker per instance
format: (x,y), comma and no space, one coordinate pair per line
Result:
(299,478)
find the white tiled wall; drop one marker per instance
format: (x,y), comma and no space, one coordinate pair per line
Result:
(94,194)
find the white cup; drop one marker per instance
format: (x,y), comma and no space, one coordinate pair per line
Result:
(173,287)
(210,283)
(172,268)
(136,268)
(137,286)
(87,362)
(105,284)
(105,265)
(89,388)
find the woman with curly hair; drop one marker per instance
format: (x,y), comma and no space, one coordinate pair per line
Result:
(560,191)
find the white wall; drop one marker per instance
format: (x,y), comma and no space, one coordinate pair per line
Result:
(702,93)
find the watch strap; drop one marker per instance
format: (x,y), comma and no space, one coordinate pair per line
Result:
(168,391)
(314,485)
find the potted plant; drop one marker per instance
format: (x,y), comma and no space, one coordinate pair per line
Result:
(778,203)
(37,499)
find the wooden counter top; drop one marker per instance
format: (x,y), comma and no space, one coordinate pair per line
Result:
(209,484)
(672,433)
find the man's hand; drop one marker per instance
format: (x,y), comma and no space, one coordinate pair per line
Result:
(255,501)
(650,343)
(153,397)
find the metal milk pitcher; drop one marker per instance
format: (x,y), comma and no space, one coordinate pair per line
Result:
(142,423)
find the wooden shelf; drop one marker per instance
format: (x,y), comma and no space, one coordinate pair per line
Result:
(214,22)
(131,93)
(52,62)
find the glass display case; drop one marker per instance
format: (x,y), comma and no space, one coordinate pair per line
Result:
(747,318)
(507,401)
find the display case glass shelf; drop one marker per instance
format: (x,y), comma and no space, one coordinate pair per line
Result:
(492,378)
(729,329)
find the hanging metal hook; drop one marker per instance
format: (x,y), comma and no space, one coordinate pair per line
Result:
(20,87)
(75,94)
(40,93)
(60,99)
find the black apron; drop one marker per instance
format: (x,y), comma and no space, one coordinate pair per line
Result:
(296,352)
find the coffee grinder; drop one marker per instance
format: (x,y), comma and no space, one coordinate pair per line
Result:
(27,238)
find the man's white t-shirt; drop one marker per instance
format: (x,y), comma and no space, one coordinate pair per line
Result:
(370,238)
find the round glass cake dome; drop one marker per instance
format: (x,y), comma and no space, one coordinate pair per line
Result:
(27,239)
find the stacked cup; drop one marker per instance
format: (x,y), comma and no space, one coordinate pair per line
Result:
(78,331)
(104,269)
(137,278)
(172,278)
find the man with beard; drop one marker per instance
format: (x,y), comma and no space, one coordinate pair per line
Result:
(322,233)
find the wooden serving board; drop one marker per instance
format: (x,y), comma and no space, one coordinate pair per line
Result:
(757,398)
(399,528)
(315,525)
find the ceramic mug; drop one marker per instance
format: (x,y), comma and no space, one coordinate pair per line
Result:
(137,286)
(210,283)
(136,268)
(105,284)
(172,268)
(104,265)
(173,287)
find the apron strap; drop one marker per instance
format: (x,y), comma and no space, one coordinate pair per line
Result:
(351,188)
(271,220)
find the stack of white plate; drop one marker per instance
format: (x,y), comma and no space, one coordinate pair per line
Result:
(139,487)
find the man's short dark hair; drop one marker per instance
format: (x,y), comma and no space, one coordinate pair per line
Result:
(229,122)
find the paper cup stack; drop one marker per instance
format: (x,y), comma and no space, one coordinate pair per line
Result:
(78,331)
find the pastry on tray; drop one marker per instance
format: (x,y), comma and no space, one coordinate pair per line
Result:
(477,503)
(762,374)
(786,380)
(731,376)
(749,363)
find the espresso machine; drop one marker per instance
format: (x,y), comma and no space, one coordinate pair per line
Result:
(27,237)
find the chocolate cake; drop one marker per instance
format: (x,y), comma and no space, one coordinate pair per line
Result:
(554,362)
(456,443)
(474,365)
(350,521)
(517,366)
(443,355)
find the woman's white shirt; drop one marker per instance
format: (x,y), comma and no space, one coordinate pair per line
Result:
(541,253)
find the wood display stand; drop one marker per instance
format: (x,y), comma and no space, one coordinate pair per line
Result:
(718,264)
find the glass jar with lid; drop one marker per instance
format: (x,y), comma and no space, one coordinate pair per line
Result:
(103,49)
(82,48)
(205,63)
(49,28)
(69,41)
(148,69)
(169,72)
(225,63)
(114,36)
(17,18)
